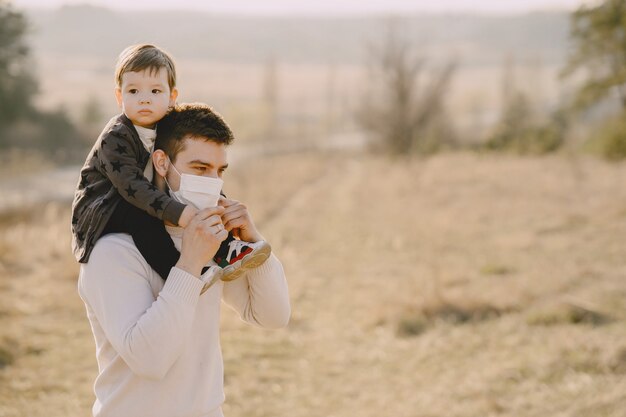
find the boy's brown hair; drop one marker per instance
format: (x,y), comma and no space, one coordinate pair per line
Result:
(195,120)
(141,57)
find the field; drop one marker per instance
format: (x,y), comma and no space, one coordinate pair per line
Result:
(459,285)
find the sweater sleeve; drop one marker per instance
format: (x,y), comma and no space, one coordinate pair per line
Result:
(261,296)
(149,334)
(117,160)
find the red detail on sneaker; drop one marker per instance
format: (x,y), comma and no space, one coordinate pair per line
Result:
(241,255)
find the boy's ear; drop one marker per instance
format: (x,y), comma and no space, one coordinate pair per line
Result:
(118,96)
(173,96)
(160,161)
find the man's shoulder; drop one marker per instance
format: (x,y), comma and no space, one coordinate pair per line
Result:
(113,248)
(115,265)
(113,255)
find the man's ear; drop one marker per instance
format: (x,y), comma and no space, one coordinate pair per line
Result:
(160,161)
(118,96)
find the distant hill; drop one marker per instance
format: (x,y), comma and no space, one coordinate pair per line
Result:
(476,40)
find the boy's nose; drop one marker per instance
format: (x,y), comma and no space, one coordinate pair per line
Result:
(144,100)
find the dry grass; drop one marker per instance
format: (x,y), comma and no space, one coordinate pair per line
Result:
(460,285)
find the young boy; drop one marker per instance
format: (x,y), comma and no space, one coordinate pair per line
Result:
(115,193)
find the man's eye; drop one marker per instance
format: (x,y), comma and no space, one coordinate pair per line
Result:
(156,91)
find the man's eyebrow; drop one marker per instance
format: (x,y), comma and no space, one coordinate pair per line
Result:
(201,162)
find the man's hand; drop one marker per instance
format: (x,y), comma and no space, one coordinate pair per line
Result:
(201,240)
(237,220)
(189,212)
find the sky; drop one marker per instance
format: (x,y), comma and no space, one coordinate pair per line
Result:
(322,7)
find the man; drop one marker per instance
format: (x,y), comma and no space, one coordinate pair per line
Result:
(157,342)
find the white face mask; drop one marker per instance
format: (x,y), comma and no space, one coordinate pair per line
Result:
(200,192)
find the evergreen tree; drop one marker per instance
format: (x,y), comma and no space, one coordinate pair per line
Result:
(599,37)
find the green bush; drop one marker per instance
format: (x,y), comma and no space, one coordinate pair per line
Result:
(518,132)
(610,140)
(49,132)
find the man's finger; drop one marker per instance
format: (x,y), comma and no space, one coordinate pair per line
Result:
(233,214)
(226,202)
(234,223)
(235,209)
(213,220)
(222,234)
(210,211)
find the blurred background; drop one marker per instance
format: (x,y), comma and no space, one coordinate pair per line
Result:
(443,182)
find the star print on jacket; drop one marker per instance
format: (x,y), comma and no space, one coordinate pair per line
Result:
(83,181)
(117,166)
(120,149)
(156,205)
(130,191)
(114,172)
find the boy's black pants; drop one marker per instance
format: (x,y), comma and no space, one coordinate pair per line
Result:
(150,237)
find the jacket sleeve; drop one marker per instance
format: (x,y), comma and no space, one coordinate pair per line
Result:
(117,160)
(148,332)
(261,296)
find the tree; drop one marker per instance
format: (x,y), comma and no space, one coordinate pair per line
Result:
(17,84)
(406,115)
(520,129)
(599,37)
(21,124)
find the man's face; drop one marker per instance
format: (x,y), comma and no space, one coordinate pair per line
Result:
(145,96)
(198,157)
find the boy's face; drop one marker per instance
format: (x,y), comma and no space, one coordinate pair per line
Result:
(145,96)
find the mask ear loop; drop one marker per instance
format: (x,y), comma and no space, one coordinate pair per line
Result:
(165,177)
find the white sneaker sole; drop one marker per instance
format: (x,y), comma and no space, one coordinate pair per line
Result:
(216,277)
(248,262)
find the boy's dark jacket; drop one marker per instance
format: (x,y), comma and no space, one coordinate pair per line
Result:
(114,170)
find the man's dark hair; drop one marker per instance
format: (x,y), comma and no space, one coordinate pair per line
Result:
(194,120)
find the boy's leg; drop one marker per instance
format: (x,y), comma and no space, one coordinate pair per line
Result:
(222,252)
(149,235)
(236,256)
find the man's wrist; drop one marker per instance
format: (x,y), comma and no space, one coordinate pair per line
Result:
(191,268)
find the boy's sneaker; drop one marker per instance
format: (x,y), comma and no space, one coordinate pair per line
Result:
(210,275)
(243,256)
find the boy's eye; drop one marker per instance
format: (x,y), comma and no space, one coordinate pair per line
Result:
(156,91)
(133,91)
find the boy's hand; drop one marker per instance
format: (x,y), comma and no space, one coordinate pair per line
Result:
(238,220)
(188,213)
(201,240)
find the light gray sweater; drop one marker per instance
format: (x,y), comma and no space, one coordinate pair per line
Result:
(157,343)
